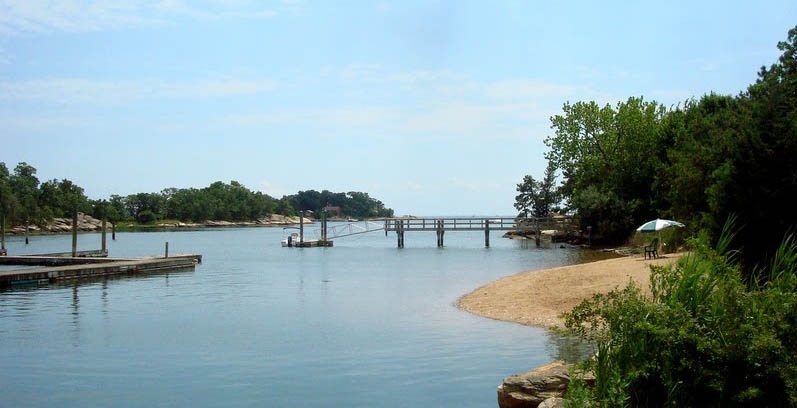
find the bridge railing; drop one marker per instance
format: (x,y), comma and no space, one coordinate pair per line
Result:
(475,223)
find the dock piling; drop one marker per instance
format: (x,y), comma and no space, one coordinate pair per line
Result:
(104,242)
(74,234)
(2,234)
(301,228)
(166,250)
(486,233)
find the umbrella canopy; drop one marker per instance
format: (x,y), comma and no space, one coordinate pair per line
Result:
(658,225)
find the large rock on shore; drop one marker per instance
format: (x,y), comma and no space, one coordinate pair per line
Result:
(529,390)
(57,225)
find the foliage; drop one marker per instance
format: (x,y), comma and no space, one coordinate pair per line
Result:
(24,200)
(609,157)
(354,203)
(705,338)
(697,162)
(536,198)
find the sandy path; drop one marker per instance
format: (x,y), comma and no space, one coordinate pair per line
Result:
(538,298)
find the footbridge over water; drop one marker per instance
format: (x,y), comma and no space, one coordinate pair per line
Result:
(441,225)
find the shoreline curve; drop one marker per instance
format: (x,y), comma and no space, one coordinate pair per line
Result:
(539,297)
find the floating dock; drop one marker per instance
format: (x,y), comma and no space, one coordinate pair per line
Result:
(312,243)
(77,268)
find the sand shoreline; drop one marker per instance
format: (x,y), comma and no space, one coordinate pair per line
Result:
(538,298)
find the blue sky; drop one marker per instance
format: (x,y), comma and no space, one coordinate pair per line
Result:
(433,107)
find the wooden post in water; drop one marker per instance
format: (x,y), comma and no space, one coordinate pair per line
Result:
(438,226)
(324,226)
(2,234)
(113,231)
(74,234)
(400,233)
(104,242)
(301,228)
(486,225)
(166,250)
(27,228)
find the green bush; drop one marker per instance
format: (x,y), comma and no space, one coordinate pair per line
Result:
(705,338)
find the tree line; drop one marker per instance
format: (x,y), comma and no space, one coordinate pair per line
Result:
(697,162)
(24,200)
(718,327)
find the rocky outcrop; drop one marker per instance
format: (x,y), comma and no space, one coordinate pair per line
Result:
(57,225)
(546,384)
(273,220)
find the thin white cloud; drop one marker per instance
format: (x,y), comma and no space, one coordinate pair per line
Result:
(379,74)
(77,90)
(528,89)
(46,16)
(339,117)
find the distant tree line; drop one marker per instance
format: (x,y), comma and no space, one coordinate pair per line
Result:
(697,162)
(354,203)
(24,201)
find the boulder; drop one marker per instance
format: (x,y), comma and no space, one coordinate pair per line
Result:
(529,390)
(553,402)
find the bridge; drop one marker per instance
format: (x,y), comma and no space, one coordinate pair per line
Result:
(441,225)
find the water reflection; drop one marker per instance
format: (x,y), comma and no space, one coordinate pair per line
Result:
(569,349)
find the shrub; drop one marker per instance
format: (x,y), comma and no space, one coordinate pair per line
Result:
(705,338)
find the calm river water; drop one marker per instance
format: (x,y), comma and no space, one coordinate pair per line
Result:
(362,324)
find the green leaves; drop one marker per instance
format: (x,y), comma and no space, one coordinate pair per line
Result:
(610,158)
(705,338)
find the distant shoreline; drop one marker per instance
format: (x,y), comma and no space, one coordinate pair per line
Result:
(538,298)
(88,224)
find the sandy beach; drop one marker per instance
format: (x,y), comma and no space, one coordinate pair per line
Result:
(538,298)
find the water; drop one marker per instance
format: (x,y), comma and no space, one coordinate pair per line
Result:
(358,325)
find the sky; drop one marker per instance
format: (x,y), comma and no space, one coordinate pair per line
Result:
(432,107)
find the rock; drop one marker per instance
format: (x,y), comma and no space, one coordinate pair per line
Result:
(532,388)
(553,402)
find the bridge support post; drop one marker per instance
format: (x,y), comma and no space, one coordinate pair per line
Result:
(400,233)
(440,232)
(486,233)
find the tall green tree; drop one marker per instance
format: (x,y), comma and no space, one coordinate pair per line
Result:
(61,198)
(537,198)
(764,171)
(8,201)
(609,157)
(25,185)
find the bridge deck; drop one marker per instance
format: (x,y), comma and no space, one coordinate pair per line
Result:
(475,224)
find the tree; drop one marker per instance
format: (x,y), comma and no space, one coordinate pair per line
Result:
(25,186)
(8,201)
(61,199)
(610,158)
(536,198)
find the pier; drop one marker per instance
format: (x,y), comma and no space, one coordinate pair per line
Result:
(76,268)
(441,225)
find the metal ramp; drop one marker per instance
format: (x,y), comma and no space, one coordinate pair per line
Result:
(352,228)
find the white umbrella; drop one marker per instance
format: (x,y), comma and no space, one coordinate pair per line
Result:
(658,225)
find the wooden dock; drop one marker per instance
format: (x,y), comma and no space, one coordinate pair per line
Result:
(77,268)
(486,224)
